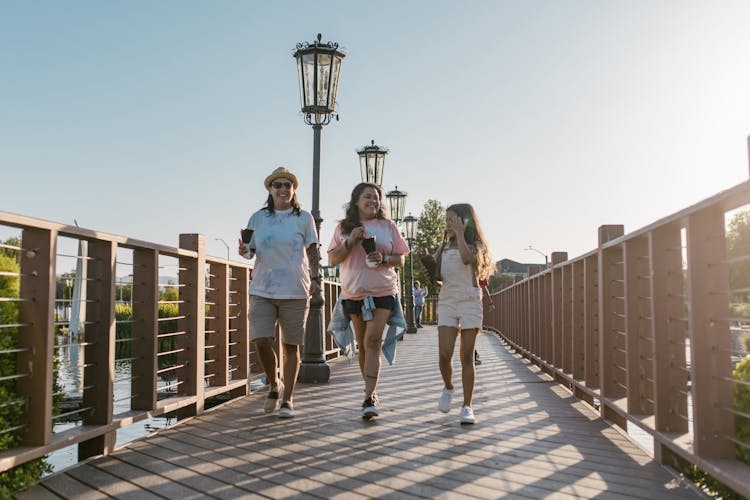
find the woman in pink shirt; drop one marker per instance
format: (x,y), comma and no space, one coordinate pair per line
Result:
(369,283)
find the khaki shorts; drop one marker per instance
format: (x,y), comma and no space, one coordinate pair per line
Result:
(462,312)
(290,313)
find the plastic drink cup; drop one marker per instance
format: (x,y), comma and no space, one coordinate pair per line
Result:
(369,246)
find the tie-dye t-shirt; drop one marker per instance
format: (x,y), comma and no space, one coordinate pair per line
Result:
(281,240)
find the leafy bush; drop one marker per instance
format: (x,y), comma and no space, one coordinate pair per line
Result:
(746,342)
(742,403)
(11,407)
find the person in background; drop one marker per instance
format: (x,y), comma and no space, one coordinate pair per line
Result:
(419,296)
(459,264)
(369,283)
(286,273)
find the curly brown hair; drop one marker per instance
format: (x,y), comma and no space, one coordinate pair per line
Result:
(351,218)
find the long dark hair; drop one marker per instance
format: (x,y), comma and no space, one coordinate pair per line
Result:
(474,235)
(268,207)
(351,218)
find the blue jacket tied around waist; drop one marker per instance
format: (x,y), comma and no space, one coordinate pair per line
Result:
(343,334)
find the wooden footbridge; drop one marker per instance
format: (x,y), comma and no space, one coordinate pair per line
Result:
(643,332)
(532,439)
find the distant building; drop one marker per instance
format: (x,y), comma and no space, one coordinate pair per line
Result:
(507,266)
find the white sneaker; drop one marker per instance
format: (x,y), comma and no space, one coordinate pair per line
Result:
(467,415)
(272,400)
(445,400)
(286,410)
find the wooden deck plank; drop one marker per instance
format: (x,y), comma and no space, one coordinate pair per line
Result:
(532,439)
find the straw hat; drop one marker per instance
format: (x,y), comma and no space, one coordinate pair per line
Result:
(281,173)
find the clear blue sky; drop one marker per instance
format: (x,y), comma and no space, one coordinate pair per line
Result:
(152,118)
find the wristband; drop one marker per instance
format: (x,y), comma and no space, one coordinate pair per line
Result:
(385,260)
(315,278)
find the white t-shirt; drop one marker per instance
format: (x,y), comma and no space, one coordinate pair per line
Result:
(281,240)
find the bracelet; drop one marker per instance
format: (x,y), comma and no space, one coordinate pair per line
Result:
(315,278)
(385,259)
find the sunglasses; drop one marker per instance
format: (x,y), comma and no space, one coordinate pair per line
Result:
(279,185)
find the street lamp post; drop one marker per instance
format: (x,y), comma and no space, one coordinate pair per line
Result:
(546,261)
(371,163)
(410,228)
(318,69)
(225,244)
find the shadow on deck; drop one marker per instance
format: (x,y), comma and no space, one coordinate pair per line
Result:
(532,439)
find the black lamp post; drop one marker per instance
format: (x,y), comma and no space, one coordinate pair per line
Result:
(318,69)
(371,163)
(410,229)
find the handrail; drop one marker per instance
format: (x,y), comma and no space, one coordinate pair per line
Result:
(208,341)
(640,329)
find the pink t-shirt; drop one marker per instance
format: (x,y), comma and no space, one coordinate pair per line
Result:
(358,280)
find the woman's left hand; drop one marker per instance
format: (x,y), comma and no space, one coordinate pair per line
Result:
(456,225)
(375,257)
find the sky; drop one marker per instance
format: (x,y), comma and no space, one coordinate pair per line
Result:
(148,119)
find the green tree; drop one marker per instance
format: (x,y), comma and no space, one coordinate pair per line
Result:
(738,245)
(430,229)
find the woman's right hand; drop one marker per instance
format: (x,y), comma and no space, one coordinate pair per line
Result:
(357,235)
(245,250)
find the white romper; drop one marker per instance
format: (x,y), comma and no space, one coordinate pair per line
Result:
(459,301)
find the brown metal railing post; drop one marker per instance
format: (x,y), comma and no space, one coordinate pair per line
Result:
(192,312)
(219,296)
(611,346)
(578,353)
(591,321)
(669,333)
(240,322)
(710,346)
(638,326)
(98,378)
(145,327)
(37,310)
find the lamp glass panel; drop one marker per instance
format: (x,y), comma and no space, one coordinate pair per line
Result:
(363,167)
(324,78)
(300,75)
(335,71)
(308,70)
(379,169)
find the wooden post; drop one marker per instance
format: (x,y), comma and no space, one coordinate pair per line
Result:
(37,310)
(99,372)
(192,321)
(612,361)
(145,327)
(710,345)
(239,324)
(577,320)
(219,338)
(638,327)
(668,329)
(591,321)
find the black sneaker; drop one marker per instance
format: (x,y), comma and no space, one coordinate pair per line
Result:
(369,408)
(477,361)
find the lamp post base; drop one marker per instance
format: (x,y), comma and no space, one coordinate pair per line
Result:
(314,368)
(314,373)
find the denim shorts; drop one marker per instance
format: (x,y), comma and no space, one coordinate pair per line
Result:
(355,306)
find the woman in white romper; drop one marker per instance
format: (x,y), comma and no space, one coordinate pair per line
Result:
(459,264)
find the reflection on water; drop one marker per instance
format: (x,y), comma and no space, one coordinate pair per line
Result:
(70,377)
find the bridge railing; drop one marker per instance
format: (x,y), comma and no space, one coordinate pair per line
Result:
(641,328)
(175,316)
